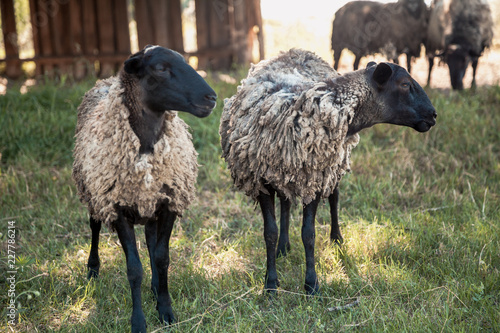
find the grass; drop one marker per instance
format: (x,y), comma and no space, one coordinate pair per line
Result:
(419,214)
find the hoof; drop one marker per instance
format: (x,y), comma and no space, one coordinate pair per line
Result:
(337,240)
(140,328)
(138,323)
(92,273)
(312,290)
(167,318)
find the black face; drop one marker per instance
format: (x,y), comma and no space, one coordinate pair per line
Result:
(169,83)
(457,60)
(403,100)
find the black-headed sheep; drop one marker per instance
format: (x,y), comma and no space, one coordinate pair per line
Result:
(134,161)
(367,27)
(290,129)
(458,32)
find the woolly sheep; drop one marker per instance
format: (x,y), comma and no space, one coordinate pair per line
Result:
(134,162)
(367,27)
(458,31)
(290,129)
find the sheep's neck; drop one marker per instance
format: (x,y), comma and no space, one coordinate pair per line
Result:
(365,116)
(146,124)
(354,88)
(148,129)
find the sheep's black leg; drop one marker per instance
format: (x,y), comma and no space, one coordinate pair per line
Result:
(151,234)
(336,59)
(474,67)
(125,231)
(431,64)
(333,199)
(308,237)
(94,263)
(284,239)
(162,261)
(356,62)
(266,202)
(408,62)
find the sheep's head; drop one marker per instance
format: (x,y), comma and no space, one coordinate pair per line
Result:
(167,82)
(400,99)
(458,58)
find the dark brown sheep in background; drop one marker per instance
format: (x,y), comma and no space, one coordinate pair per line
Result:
(367,27)
(458,31)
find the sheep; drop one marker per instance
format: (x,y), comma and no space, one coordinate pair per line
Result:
(458,32)
(134,161)
(367,27)
(290,128)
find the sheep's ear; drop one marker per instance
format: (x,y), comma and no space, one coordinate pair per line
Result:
(133,65)
(371,64)
(382,73)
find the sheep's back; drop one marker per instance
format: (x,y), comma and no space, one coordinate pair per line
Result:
(353,26)
(109,170)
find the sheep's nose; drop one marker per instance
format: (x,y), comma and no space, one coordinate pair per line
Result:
(435,114)
(211,97)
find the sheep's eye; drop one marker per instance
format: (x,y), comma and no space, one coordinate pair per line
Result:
(405,85)
(162,68)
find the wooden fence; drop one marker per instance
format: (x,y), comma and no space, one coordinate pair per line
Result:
(81,37)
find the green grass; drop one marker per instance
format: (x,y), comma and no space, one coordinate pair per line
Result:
(419,214)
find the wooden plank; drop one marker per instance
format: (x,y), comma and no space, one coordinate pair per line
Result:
(160,23)
(60,31)
(107,43)
(76,35)
(44,22)
(90,37)
(13,69)
(75,26)
(55,24)
(122,31)
(9,28)
(174,19)
(258,23)
(145,32)
(121,26)
(220,31)
(241,33)
(35,33)
(202,29)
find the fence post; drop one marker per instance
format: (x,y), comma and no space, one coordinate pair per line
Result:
(13,69)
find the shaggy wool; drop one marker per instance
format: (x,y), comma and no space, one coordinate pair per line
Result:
(110,172)
(287,127)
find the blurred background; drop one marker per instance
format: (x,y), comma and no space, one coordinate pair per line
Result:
(81,38)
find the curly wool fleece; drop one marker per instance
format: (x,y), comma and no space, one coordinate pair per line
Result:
(287,127)
(109,170)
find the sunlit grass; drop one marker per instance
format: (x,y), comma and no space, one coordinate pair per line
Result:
(419,215)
